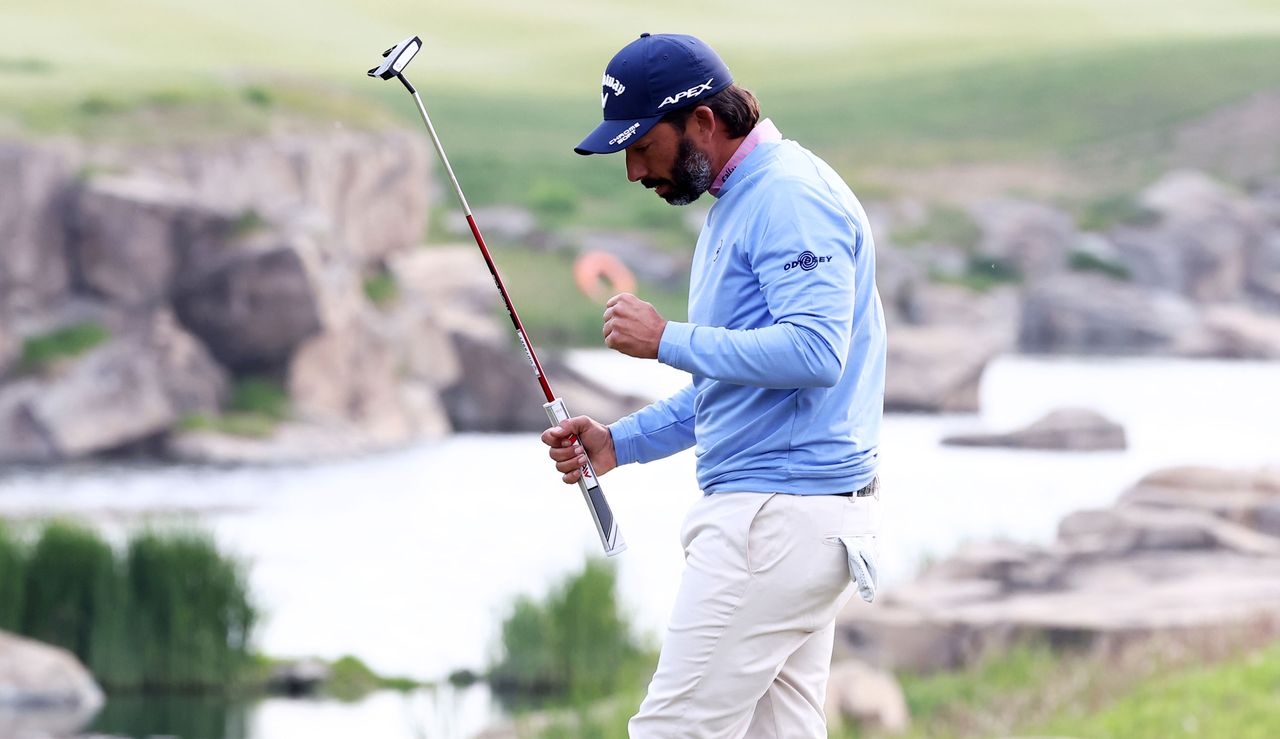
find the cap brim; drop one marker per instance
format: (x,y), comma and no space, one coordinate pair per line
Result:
(614,136)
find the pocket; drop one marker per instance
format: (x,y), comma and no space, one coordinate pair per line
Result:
(863,551)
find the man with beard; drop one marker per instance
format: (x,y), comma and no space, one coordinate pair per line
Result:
(785,343)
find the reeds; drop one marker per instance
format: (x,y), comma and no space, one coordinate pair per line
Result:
(170,612)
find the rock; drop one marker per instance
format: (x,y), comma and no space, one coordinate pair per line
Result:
(299,677)
(1032,237)
(126,390)
(1233,332)
(1202,244)
(9,348)
(935,369)
(33,265)
(1067,429)
(1090,314)
(992,314)
(1248,498)
(254,310)
(1169,561)
(36,676)
(1125,530)
(123,240)
(370,190)
(498,392)
(869,698)
(354,375)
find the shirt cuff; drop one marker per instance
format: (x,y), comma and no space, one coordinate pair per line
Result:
(623,432)
(673,347)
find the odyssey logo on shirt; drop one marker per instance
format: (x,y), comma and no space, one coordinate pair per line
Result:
(806,261)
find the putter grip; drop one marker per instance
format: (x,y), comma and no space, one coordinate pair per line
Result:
(606,526)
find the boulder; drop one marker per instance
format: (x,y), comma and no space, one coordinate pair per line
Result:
(869,698)
(354,375)
(122,244)
(255,309)
(1248,498)
(37,678)
(935,369)
(1168,562)
(369,189)
(1233,332)
(1202,244)
(1090,314)
(33,264)
(1032,237)
(498,391)
(1065,429)
(133,387)
(9,347)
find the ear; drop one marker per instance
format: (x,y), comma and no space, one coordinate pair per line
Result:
(702,125)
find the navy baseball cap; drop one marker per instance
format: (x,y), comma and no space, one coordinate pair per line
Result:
(650,77)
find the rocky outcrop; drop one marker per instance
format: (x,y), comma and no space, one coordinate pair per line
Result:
(44,690)
(935,369)
(33,265)
(134,386)
(1033,238)
(1065,429)
(1186,553)
(1091,314)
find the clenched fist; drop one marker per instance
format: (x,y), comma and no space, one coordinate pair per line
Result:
(632,326)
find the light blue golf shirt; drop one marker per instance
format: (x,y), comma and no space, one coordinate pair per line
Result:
(785,339)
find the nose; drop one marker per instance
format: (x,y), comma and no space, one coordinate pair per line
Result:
(635,167)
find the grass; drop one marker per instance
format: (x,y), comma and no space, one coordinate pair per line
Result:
(942,225)
(1239,698)
(169,612)
(381,288)
(1083,261)
(258,405)
(1109,211)
(39,352)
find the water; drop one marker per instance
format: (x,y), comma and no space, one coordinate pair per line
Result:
(409,559)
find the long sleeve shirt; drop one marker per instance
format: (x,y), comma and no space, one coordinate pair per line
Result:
(785,339)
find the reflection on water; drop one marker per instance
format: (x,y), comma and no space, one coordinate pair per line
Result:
(436,712)
(173,714)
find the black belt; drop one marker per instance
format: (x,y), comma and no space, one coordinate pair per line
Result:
(867,490)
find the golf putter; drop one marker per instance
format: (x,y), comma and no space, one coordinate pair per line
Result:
(393,64)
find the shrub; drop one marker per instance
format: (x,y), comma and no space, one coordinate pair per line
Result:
(381,288)
(172,612)
(576,644)
(70,341)
(1083,261)
(12,567)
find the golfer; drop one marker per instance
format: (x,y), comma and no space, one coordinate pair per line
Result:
(786,347)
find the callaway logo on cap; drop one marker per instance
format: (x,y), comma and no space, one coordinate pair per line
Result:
(649,78)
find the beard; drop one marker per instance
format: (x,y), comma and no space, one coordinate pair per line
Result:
(690,175)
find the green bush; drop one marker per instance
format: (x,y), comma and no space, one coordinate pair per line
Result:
(171,612)
(11,582)
(381,288)
(70,341)
(1083,261)
(576,644)
(554,200)
(190,610)
(262,396)
(70,588)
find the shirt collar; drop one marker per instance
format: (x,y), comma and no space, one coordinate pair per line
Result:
(764,132)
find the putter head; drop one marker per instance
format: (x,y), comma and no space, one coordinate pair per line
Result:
(397,58)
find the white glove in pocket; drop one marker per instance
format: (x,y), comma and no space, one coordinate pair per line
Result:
(863,550)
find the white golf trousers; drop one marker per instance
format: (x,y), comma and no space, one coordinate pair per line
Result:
(748,648)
